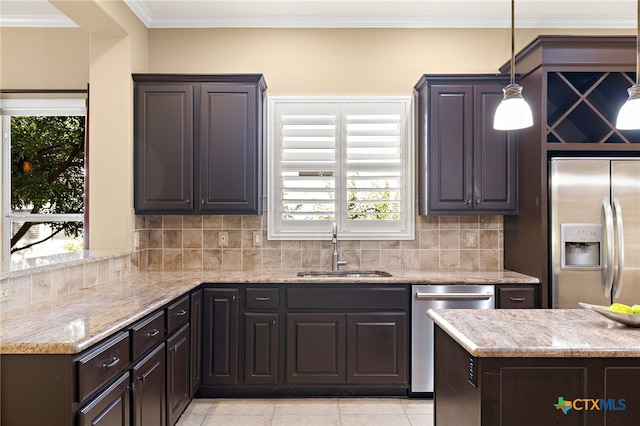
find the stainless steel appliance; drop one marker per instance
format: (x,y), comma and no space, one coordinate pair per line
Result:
(595,231)
(427,297)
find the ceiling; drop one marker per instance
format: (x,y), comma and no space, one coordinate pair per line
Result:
(618,14)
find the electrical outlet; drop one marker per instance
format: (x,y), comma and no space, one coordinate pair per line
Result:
(257,238)
(471,239)
(223,239)
(118,265)
(136,239)
(5,294)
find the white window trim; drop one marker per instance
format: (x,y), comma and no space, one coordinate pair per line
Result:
(274,231)
(17,107)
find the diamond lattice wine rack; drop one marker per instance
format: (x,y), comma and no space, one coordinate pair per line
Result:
(582,107)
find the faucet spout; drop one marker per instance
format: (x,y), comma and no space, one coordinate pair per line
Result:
(336,263)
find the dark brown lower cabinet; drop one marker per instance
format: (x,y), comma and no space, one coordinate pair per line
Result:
(220,341)
(148,389)
(261,348)
(134,376)
(525,391)
(196,341)
(376,348)
(316,348)
(110,407)
(305,340)
(178,374)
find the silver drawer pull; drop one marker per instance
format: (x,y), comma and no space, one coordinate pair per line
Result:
(114,360)
(153,333)
(518,299)
(262,299)
(181,313)
(451,296)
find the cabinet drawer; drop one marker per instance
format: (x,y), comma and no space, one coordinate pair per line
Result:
(517,298)
(146,334)
(111,406)
(99,365)
(361,297)
(178,314)
(262,298)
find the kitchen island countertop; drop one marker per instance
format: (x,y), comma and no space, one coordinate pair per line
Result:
(538,333)
(73,322)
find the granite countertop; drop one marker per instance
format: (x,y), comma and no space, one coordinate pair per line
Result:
(535,333)
(72,323)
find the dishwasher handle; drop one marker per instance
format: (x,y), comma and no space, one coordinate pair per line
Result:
(454,296)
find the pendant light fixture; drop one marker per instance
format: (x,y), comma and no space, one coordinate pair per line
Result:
(513,112)
(629,115)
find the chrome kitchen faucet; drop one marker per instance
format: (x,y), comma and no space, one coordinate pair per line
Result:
(335,262)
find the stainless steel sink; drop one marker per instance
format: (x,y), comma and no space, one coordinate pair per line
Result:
(344,274)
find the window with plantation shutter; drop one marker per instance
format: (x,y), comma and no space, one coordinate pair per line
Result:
(347,160)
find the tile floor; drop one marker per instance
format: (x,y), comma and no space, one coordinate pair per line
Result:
(308,412)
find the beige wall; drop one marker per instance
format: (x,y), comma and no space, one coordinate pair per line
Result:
(111,44)
(331,61)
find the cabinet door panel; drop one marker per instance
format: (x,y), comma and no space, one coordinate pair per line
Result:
(620,383)
(229,148)
(261,348)
(149,395)
(316,348)
(178,377)
(450,148)
(376,348)
(220,337)
(163,147)
(494,156)
(196,341)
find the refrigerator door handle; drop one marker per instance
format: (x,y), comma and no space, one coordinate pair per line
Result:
(608,252)
(619,236)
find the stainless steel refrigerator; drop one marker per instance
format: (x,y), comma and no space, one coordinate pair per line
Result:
(595,231)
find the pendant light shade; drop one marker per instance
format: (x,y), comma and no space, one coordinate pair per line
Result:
(513,112)
(629,115)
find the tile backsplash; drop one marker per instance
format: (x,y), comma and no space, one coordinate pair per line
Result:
(192,242)
(61,280)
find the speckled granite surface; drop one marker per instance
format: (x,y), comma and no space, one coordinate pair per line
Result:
(73,322)
(522,333)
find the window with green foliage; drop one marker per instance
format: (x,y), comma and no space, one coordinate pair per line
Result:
(343,159)
(44,176)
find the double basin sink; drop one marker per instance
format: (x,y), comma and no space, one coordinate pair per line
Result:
(344,274)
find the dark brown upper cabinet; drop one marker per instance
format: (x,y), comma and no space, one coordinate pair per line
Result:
(465,166)
(198,143)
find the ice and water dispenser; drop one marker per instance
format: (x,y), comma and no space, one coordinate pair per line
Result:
(581,245)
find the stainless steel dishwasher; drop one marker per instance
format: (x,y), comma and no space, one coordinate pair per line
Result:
(425,297)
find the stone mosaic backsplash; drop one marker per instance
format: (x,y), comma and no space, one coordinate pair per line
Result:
(192,242)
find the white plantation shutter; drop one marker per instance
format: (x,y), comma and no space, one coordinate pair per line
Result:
(343,159)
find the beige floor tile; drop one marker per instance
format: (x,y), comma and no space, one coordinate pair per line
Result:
(190,421)
(307,406)
(309,412)
(199,406)
(236,420)
(421,419)
(264,407)
(417,406)
(370,406)
(374,420)
(306,420)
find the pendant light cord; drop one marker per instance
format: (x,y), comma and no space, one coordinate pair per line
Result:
(638,43)
(513,42)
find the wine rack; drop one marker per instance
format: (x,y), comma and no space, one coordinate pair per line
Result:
(582,107)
